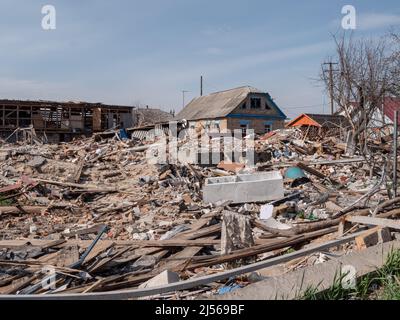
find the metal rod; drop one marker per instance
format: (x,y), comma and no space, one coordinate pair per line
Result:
(77,264)
(183,98)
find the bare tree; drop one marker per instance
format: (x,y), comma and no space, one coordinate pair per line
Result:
(364,77)
(395,61)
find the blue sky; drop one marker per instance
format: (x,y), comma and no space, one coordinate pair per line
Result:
(147,52)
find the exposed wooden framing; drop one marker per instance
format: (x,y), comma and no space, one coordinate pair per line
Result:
(49,117)
(188,284)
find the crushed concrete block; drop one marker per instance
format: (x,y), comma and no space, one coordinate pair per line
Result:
(162,279)
(373,237)
(244,188)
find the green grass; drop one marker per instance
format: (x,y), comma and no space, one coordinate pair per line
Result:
(383,284)
(391,289)
(311,293)
(290,250)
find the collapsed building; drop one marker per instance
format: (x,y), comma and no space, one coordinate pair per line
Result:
(112,223)
(62,121)
(321,124)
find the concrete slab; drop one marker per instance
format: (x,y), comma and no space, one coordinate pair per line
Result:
(291,285)
(163,278)
(259,187)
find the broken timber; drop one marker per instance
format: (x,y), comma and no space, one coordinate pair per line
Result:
(188,284)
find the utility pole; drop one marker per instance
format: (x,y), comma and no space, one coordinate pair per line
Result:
(201,86)
(183,97)
(330,70)
(395,135)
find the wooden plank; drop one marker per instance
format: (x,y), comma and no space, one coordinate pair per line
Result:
(191,283)
(22,210)
(312,171)
(393,224)
(18,285)
(68,256)
(99,248)
(259,249)
(176,243)
(179,260)
(78,172)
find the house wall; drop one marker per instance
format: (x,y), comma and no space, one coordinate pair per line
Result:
(262,111)
(258,125)
(256,118)
(201,124)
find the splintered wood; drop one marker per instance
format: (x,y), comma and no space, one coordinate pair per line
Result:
(102,218)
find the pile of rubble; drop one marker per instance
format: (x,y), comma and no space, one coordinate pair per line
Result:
(95,216)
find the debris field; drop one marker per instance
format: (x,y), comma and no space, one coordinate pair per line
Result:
(93,215)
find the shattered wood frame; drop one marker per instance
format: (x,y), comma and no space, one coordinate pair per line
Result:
(188,284)
(59,117)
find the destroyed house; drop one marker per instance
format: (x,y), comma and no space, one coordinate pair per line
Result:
(390,105)
(149,116)
(61,121)
(242,108)
(320,124)
(318,120)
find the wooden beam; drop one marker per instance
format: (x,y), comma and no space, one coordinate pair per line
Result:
(375,221)
(191,283)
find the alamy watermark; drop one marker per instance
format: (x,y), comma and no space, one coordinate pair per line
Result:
(49,21)
(349,21)
(49,281)
(349,280)
(209,147)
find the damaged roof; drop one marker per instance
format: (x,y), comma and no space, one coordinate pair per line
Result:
(318,120)
(48,103)
(151,116)
(216,105)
